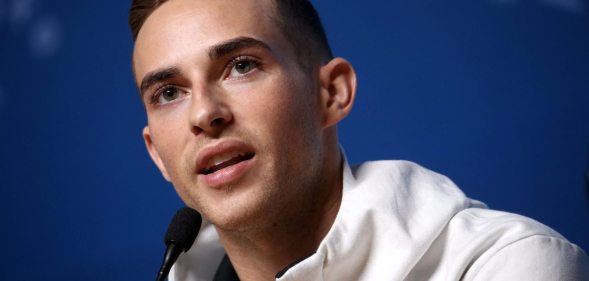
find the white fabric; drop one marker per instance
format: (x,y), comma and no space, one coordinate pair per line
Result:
(399,221)
(201,261)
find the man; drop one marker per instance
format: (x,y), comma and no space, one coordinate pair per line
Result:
(242,99)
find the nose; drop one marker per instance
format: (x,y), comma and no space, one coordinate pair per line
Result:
(209,114)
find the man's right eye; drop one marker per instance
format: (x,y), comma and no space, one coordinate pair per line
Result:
(166,94)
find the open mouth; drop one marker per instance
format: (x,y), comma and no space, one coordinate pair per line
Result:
(224,161)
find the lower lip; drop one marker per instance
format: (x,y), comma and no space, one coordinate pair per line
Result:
(227,175)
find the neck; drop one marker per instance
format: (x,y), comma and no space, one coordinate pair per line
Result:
(262,253)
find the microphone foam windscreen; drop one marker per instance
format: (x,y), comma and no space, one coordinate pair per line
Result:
(183,229)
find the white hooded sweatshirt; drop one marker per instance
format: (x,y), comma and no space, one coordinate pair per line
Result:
(399,221)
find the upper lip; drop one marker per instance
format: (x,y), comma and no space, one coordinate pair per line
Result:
(227,146)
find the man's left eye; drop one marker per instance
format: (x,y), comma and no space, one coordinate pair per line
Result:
(242,67)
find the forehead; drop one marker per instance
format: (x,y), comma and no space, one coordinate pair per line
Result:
(181,28)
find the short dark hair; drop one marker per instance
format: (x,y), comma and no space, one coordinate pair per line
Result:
(298,20)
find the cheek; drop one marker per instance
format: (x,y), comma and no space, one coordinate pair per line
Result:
(168,138)
(287,117)
(167,133)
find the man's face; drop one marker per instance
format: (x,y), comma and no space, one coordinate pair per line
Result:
(233,121)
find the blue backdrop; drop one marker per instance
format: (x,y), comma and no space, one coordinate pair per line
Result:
(494,94)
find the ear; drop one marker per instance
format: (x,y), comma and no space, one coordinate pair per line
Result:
(338,90)
(153,153)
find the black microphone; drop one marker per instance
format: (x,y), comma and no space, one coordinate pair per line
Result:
(181,234)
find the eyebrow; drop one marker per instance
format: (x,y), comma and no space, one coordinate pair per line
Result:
(235,44)
(157,76)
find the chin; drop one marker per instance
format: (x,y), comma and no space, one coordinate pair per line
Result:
(237,212)
(236,222)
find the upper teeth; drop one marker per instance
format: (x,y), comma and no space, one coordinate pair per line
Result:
(222,158)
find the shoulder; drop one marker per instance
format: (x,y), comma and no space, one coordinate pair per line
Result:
(398,167)
(481,244)
(400,174)
(537,257)
(408,185)
(452,237)
(497,245)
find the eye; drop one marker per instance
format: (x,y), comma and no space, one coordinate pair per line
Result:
(166,94)
(242,66)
